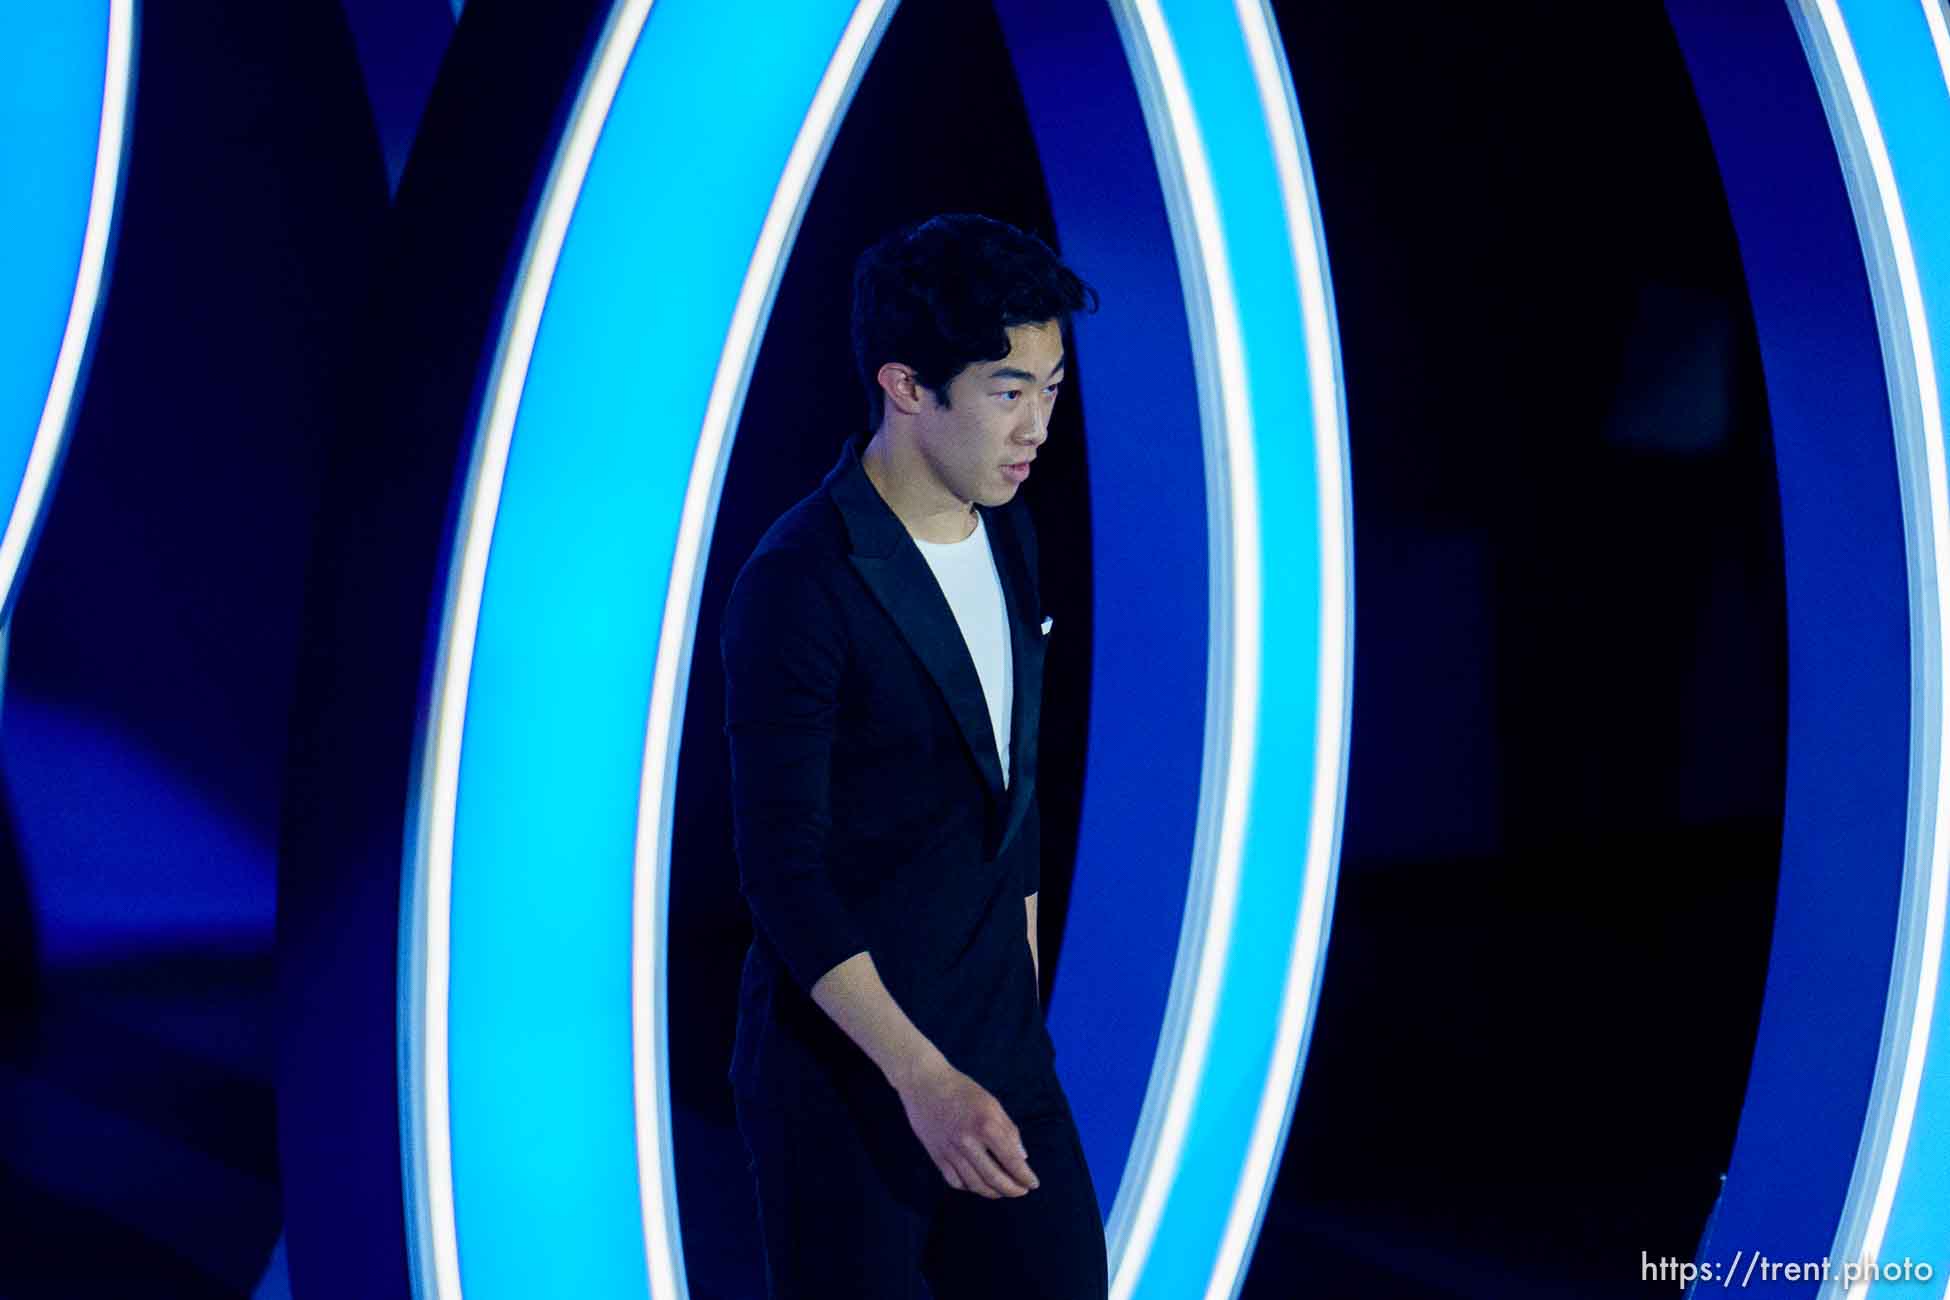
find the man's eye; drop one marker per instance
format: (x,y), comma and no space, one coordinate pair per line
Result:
(1009,396)
(1051,391)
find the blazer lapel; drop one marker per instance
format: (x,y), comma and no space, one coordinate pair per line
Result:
(902,582)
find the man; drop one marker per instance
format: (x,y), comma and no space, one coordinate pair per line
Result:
(883,652)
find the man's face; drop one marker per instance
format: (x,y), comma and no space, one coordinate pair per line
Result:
(980,444)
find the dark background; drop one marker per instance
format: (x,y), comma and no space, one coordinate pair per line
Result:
(1564,801)
(1565,786)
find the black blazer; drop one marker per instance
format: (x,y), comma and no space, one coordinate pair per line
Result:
(869,811)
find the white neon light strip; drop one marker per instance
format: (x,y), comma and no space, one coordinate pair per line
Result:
(434,1172)
(649,996)
(1236,646)
(1929,961)
(1938,19)
(1933,14)
(1330,733)
(52,431)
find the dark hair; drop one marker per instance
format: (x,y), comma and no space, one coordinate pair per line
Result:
(941,295)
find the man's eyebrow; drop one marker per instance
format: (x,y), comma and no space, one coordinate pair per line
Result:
(1012,372)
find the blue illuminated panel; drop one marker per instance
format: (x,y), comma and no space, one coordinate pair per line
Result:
(592,488)
(64,92)
(1226,133)
(1886,79)
(1844,1140)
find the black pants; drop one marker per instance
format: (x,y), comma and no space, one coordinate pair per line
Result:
(850,1205)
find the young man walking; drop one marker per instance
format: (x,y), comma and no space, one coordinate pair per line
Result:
(883,652)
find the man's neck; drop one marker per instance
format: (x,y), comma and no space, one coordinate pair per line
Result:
(927,510)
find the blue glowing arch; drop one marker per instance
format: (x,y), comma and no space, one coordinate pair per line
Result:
(1884,76)
(1844,1145)
(534,1098)
(65,82)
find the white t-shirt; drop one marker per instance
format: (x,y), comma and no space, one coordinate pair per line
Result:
(966,572)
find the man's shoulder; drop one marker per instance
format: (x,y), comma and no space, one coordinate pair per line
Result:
(795,563)
(809,533)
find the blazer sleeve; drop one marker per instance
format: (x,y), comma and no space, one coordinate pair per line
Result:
(1029,847)
(784,654)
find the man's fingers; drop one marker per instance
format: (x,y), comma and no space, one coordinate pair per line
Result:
(1017,1166)
(971,1180)
(1005,1143)
(1001,1134)
(991,1173)
(948,1174)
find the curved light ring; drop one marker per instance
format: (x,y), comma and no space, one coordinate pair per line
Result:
(528,360)
(1939,23)
(91,273)
(1219,104)
(1185,1045)
(1912,296)
(1249,959)
(1300,996)
(426,966)
(650,994)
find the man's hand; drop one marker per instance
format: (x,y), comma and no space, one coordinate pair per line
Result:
(967,1134)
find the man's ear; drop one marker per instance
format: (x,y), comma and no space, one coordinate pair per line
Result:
(902,389)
